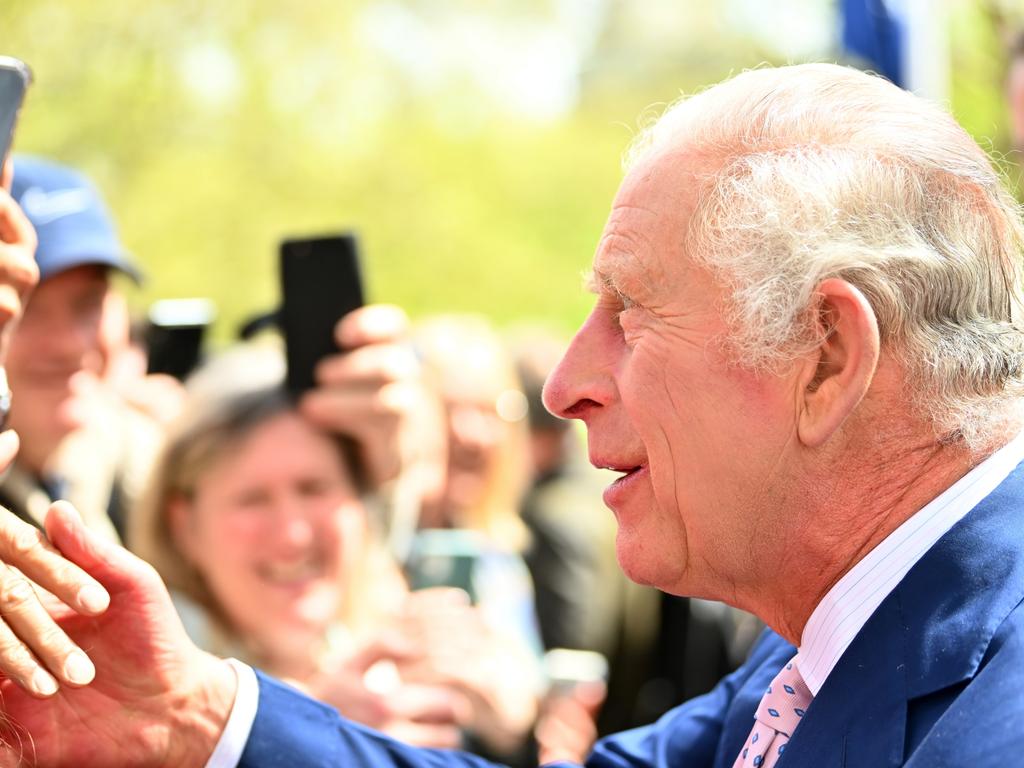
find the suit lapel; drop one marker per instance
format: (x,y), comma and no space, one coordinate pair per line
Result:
(930,633)
(858,717)
(963,589)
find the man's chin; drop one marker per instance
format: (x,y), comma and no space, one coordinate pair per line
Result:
(635,559)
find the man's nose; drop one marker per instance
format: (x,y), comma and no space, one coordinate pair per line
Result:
(581,382)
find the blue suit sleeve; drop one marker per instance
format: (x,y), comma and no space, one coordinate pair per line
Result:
(696,734)
(292,729)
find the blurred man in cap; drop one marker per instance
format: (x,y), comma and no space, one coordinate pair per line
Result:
(77,440)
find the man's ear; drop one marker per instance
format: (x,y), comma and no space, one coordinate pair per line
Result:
(841,370)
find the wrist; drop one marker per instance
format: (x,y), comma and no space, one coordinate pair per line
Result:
(201,715)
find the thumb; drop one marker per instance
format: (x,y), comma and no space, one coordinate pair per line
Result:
(590,695)
(110,564)
(372,324)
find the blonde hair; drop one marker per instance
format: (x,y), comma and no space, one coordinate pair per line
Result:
(821,171)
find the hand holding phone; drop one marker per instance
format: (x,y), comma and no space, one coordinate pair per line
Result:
(17,238)
(350,367)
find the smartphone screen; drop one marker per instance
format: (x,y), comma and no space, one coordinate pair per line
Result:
(320,284)
(444,558)
(14,80)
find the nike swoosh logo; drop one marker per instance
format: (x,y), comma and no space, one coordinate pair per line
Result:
(43,207)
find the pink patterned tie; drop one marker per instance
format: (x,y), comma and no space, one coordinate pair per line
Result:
(777,716)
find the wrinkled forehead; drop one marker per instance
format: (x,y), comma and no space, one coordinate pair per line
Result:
(645,237)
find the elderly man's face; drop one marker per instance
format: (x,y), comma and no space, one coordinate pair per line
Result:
(702,443)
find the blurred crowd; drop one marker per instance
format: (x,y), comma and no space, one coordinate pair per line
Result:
(415,541)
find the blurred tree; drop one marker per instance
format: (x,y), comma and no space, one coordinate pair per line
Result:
(474,146)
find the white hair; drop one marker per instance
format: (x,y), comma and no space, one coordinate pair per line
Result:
(822,171)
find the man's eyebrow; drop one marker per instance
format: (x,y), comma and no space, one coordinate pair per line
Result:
(596,281)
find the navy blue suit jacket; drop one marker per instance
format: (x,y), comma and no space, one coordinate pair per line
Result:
(935,678)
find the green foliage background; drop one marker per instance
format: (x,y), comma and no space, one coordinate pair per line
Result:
(461,202)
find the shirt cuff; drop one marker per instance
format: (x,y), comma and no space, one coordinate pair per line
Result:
(243,713)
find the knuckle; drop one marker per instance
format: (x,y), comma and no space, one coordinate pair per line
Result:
(18,268)
(25,274)
(15,656)
(25,540)
(10,308)
(53,639)
(30,238)
(15,594)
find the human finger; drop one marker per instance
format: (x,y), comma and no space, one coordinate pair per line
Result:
(427,704)
(34,651)
(390,647)
(27,549)
(590,695)
(429,716)
(374,416)
(429,735)
(18,275)
(7,174)
(14,224)
(372,324)
(106,563)
(565,733)
(369,364)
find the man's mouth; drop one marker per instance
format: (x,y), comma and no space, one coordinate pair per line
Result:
(630,475)
(623,467)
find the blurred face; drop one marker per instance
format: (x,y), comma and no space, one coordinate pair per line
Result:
(55,359)
(700,443)
(475,436)
(272,528)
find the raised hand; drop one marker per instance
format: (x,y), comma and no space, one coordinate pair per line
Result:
(154,698)
(18,276)
(374,392)
(460,651)
(365,686)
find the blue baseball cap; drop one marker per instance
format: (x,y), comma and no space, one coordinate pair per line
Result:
(72,222)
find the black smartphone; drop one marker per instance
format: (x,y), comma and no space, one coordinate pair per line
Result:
(447,557)
(174,335)
(15,77)
(320,283)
